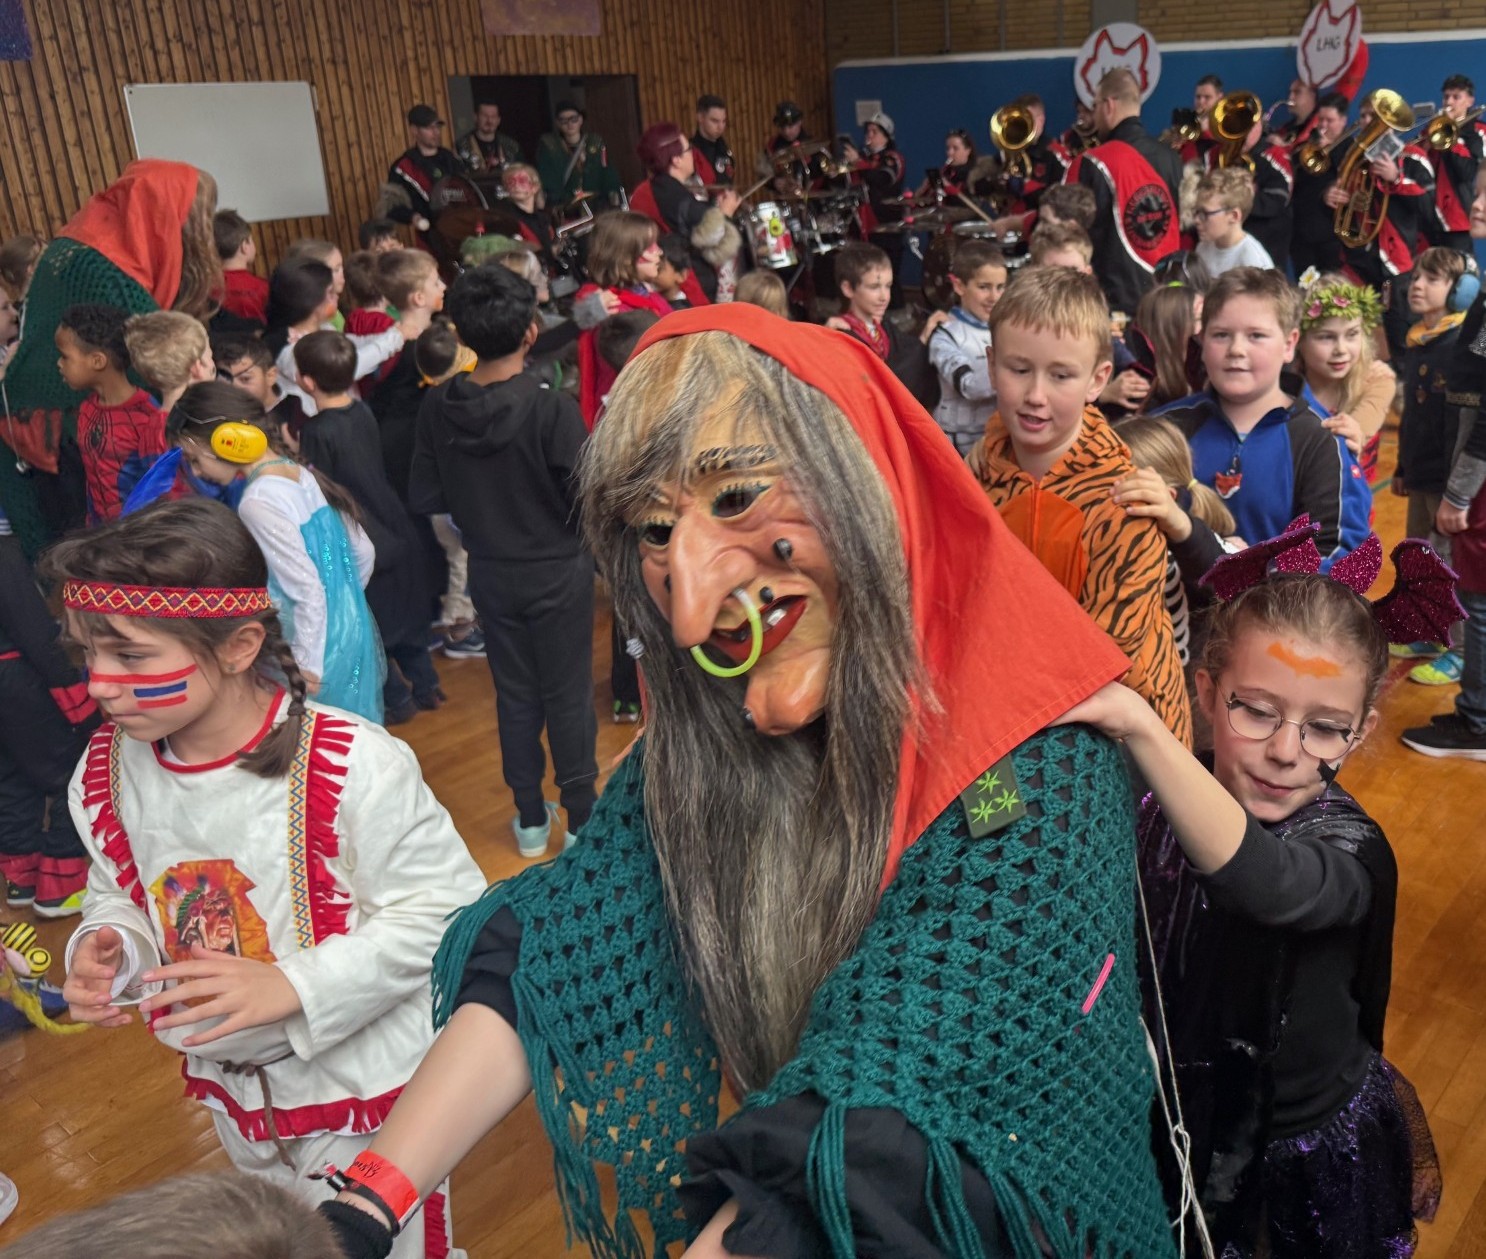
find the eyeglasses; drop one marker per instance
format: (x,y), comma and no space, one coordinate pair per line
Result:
(1208,214)
(1250,719)
(567,120)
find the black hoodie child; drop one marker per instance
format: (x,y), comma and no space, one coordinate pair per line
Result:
(501,460)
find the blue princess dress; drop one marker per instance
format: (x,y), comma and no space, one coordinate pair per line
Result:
(318,567)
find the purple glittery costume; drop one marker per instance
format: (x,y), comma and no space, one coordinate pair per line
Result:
(1275,972)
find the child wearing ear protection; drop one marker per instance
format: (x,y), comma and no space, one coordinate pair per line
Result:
(319,557)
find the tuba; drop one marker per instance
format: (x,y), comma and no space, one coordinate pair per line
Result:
(1013,129)
(1232,119)
(1359,219)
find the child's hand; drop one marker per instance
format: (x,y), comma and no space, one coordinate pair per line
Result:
(936,320)
(1144,493)
(1450,519)
(611,303)
(1114,710)
(1345,427)
(89,985)
(249,993)
(836,322)
(1128,389)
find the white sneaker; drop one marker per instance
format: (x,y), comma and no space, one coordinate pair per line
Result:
(531,841)
(9,1196)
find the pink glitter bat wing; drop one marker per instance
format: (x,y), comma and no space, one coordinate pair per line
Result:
(1294,551)
(1422,605)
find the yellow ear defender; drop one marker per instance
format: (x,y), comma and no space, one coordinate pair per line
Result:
(237,442)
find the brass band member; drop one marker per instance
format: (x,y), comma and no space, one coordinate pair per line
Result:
(715,164)
(1135,180)
(1455,166)
(1048,158)
(487,147)
(792,172)
(1313,241)
(1207,93)
(879,168)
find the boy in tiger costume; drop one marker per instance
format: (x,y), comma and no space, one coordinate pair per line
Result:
(1049,463)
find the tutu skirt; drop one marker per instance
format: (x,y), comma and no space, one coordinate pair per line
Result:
(1353,1188)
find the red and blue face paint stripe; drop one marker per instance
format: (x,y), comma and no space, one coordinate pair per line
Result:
(153,690)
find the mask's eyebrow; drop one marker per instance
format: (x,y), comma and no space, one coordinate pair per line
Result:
(733,459)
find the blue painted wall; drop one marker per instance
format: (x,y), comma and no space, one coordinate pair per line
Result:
(927,99)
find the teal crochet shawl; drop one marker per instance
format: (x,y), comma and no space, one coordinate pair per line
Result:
(967,1007)
(68,273)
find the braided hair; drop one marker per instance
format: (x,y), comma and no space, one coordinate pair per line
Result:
(192,542)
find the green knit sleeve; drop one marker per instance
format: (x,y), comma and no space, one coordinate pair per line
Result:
(622,1069)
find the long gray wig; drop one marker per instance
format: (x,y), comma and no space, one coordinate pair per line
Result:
(771,849)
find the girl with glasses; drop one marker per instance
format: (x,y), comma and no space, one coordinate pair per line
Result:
(1270,902)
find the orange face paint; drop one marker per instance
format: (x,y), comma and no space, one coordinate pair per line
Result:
(1306,666)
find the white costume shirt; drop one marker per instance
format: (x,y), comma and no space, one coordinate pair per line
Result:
(275,510)
(957,350)
(341,874)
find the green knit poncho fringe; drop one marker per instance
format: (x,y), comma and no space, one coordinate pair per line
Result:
(973,1006)
(68,273)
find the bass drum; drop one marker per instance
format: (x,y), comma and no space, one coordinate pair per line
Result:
(940,257)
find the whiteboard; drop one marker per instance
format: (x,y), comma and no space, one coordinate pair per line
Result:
(260,141)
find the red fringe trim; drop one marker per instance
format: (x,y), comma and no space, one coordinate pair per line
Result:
(359,1115)
(324,778)
(436,1227)
(108,831)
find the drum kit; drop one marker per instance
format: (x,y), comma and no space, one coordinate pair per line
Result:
(949,225)
(460,208)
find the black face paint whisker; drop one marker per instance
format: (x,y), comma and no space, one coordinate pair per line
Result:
(784,549)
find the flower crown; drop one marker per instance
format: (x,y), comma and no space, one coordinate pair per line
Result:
(1337,300)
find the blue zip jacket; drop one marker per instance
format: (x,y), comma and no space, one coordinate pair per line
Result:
(1287,464)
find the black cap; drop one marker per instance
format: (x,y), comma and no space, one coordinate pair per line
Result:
(567,107)
(787,113)
(424,116)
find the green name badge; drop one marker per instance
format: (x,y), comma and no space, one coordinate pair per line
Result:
(993,801)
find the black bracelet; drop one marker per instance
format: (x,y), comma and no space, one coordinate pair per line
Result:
(360,1236)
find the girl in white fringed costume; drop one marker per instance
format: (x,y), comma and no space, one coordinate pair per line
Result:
(270,877)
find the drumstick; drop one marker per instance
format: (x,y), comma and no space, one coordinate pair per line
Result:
(979,212)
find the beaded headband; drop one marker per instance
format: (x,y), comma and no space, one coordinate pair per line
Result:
(1337,301)
(176,602)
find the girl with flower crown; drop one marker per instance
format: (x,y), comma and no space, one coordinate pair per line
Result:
(1270,899)
(1345,383)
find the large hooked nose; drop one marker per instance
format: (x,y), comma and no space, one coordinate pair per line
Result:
(706,564)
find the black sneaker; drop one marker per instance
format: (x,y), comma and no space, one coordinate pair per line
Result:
(401,715)
(18,897)
(1447,738)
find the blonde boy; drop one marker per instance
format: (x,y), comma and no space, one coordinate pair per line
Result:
(1267,454)
(169,350)
(409,280)
(1050,462)
(1224,199)
(1060,244)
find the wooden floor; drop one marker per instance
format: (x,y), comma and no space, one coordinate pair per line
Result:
(82,1117)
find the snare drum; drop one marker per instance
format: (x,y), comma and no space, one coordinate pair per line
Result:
(770,238)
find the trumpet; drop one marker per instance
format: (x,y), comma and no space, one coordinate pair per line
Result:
(1232,119)
(1013,129)
(1442,132)
(1186,128)
(1315,157)
(1359,218)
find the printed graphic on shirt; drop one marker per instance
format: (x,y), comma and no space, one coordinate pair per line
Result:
(206,903)
(1148,213)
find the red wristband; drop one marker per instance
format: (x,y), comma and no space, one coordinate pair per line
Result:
(378,1180)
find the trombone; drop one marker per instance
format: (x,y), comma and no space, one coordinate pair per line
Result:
(1359,218)
(1013,129)
(1232,119)
(1442,132)
(1315,157)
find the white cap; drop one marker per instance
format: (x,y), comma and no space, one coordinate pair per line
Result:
(880,119)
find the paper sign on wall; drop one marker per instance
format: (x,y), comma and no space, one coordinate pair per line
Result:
(1119,45)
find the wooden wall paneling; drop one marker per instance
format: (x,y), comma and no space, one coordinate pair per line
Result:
(66,132)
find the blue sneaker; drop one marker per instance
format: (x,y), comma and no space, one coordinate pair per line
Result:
(471,646)
(1445,671)
(531,841)
(1416,651)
